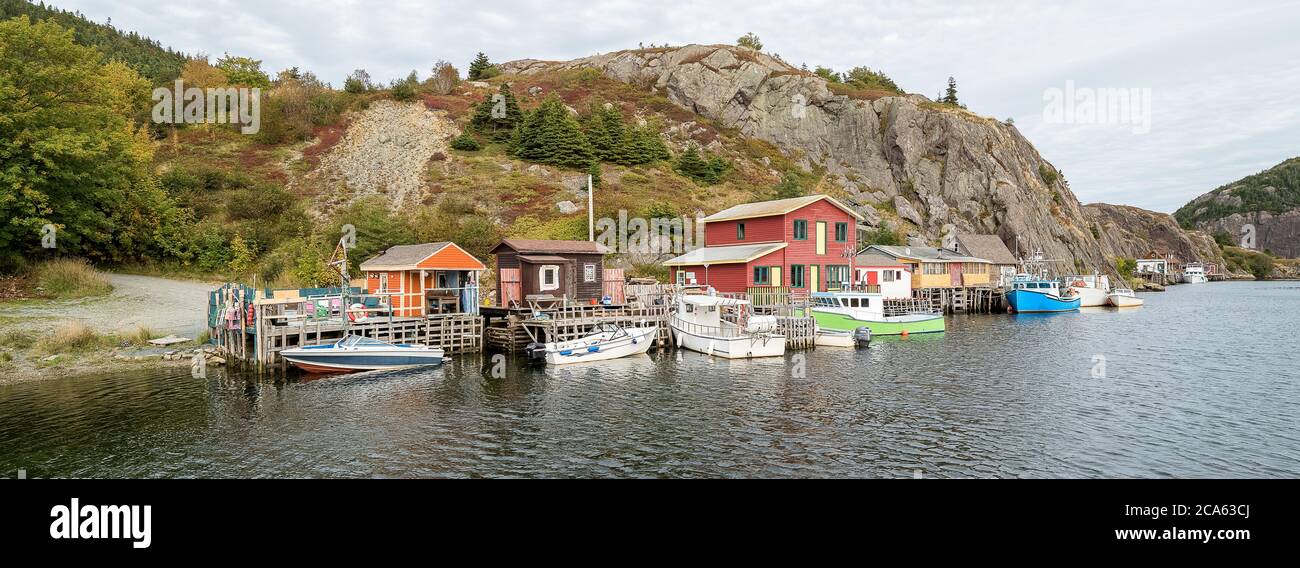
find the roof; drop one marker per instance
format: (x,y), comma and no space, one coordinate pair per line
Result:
(924,254)
(988,247)
(776,207)
(876,259)
(725,255)
(535,259)
(412,257)
(526,246)
(711,300)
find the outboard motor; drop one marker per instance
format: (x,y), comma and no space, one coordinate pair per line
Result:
(862,337)
(535,351)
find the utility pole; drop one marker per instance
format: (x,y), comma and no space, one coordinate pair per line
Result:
(591,210)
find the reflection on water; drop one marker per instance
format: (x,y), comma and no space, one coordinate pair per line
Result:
(1199,382)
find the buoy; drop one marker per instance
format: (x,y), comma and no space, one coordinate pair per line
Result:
(905,334)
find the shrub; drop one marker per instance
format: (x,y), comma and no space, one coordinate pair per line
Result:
(1048,173)
(71,278)
(1125,267)
(703,171)
(71,337)
(882,236)
(750,41)
(466,143)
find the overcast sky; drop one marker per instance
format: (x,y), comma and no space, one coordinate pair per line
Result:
(1223,77)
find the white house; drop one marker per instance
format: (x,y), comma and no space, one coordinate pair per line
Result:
(893,277)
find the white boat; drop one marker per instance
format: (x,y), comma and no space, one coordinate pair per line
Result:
(609,342)
(356,353)
(1194,273)
(1123,298)
(725,327)
(849,311)
(1092,290)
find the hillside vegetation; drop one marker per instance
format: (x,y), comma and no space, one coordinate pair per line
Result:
(1275,190)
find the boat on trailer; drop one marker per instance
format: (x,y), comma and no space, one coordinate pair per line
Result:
(846,312)
(356,353)
(725,327)
(609,342)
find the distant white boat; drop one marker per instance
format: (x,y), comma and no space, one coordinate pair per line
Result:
(609,342)
(1092,290)
(725,327)
(1194,273)
(1123,298)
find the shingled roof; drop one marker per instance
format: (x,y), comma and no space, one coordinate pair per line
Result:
(537,246)
(775,207)
(987,247)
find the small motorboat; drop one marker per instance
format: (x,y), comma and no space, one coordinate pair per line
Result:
(356,353)
(725,327)
(860,337)
(1123,298)
(609,342)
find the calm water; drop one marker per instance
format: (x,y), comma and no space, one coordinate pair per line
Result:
(1201,382)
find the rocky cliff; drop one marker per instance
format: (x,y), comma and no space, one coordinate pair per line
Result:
(1131,232)
(1261,211)
(904,161)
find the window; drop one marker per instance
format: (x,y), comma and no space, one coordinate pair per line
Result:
(588,273)
(762,276)
(681,278)
(549,277)
(934,268)
(837,275)
(887,276)
(841,232)
(442,280)
(976,268)
(383,281)
(800,230)
(796,276)
(740,231)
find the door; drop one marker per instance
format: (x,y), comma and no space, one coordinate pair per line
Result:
(821,237)
(775,274)
(511,289)
(873,278)
(954,268)
(814,278)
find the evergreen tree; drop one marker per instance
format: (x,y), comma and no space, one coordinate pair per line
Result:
(750,41)
(497,116)
(549,135)
(789,187)
(704,171)
(605,130)
(481,68)
(644,146)
(466,143)
(594,171)
(950,94)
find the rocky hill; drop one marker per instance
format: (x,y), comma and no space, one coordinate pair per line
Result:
(1131,232)
(904,161)
(1269,201)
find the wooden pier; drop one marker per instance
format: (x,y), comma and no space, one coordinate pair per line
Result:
(974,299)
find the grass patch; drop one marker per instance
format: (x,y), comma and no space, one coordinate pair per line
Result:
(71,278)
(71,337)
(17,339)
(140,336)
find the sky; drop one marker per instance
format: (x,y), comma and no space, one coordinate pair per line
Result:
(1221,79)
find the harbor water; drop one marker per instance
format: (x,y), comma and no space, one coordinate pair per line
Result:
(1200,382)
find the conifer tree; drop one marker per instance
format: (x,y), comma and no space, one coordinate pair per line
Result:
(551,136)
(497,116)
(950,94)
(481,68)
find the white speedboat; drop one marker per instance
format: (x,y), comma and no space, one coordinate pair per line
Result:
(725,327)
(356,353)
(1194,273)
(1123,298)
(609,342)
(1091,290)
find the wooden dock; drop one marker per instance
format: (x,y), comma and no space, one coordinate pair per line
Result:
(454,333)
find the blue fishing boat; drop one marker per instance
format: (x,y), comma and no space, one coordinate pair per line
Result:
(1031,294)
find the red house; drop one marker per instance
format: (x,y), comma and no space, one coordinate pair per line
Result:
(805,243)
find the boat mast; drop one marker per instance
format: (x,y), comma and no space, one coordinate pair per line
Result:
(339,262)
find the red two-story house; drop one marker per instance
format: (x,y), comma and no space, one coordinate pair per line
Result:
(805,243)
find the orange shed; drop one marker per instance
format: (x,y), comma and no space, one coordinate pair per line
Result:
(430,278)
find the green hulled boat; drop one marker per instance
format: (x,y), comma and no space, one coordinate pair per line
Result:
(848,311)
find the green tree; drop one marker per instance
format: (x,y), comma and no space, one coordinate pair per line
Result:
(865,78)
(550,135)
(950,93)
(751,41)
(1126,267)
(605,130)
(704,171)
(466,143)
(406,90)
(70,154)
(882,236)
(244,71)
(497,116)
(827,73)
(357,82)
(481,69)
(242,257)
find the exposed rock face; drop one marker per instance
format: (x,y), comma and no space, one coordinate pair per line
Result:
(931,165)
(1278,234)
(1263,208)
(385,151)
(1131,232)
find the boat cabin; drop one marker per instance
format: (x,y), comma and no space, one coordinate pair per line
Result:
(425,279)
(527,269)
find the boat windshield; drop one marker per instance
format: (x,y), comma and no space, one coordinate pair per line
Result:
(358,341)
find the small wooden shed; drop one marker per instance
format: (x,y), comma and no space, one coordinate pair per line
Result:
(574,270)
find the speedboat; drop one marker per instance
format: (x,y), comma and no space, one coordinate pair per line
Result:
(357,353)
(847,311)
(1123,298)
(725,327)
(1030,294)
(1092,290)
(609,342)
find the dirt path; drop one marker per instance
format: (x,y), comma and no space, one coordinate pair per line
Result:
(163,305)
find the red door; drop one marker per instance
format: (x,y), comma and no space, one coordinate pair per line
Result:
(873,278)
(954,268)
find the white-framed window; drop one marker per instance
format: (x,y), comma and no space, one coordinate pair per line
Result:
(681,278)
(548,277)
(383,282)
(690,278)
(588,273)
(889,275)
